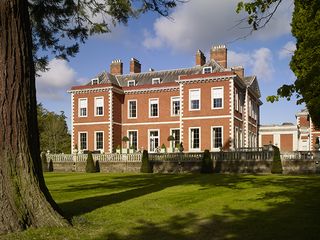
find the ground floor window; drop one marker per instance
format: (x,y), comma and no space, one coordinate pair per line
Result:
(153,140)
(176,134)
(194,138)
(99,140)
(133,139)
(83,141)
(216,137)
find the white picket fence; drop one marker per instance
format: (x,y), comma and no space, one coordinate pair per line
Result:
(110,157)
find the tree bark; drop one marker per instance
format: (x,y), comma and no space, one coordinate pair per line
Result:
(24,198)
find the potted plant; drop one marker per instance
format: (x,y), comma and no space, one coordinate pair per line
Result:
(118,149)
(125,139)
(177,147)
(163,148)
(171,139)
(131,149)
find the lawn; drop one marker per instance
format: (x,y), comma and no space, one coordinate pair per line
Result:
(183,207)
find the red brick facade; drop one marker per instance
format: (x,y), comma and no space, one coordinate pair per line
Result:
(208,106)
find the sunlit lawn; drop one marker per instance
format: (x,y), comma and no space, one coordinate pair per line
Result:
(135,206)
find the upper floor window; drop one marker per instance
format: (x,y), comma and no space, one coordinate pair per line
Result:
(175,106)
(99,106)
(132,109)
(207,70)
(131,83)
(153,107)
(83,105)
(217,97)
(194,99)
(236,99)
(156,81)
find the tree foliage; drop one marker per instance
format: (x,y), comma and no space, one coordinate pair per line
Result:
(53,131)
(58,22)
(305,62)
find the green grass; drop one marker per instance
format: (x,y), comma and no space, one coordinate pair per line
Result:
(183,207)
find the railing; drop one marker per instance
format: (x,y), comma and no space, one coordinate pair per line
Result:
(113,157)
(300,155)
(175,156)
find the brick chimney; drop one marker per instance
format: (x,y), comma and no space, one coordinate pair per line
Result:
(239,70)
(116,67)
(135,66)
(200,58)
(219,54)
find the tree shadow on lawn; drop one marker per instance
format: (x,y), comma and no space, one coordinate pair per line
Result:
(140,185)
(297,218)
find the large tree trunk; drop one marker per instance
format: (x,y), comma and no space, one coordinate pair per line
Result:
(24,199)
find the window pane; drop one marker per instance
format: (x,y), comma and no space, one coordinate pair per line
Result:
(133,139)
(83,141)
(217,137)
(132,109)
(195,138)
(99,140)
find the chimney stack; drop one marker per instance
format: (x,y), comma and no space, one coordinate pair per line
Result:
(239,70)
(200,58)
(219,54)
(116,67)
(135,66)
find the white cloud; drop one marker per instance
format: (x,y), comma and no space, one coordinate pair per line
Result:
(197,24)
(259,62)
(287,50)
(57,80)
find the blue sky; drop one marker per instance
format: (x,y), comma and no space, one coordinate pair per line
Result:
(162,43)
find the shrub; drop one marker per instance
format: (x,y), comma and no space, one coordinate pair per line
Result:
(97,166)
(145,165)
(206,164)
(44,162)
(276,163)
(50,166)
(90,168)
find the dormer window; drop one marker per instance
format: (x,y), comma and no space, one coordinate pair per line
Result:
(156,81)
(95,81)
(207,70)
(131,83)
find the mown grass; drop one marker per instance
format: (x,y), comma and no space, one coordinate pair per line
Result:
(183,207)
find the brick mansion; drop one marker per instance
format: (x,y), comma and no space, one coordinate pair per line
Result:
(207,106)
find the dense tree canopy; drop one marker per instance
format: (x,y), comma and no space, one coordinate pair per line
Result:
(305,62)
(53,131)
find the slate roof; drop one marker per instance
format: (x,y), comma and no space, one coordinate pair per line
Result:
(168,76)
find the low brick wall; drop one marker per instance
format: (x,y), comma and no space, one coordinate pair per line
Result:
(174,166)
(298,166)
(242,166)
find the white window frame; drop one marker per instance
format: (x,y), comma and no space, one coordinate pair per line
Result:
(241,138)
(212,98)
(172,129)
(131,81)
(95,106)
(191,90)
(95,140)
(79,141)
(204,69)
(156,80)
(212,142)
(132,100)
(93,80)
(150,130)
(133,130)
(151,99)
(236,137)
(174,99)
(190,140)
(79,108)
